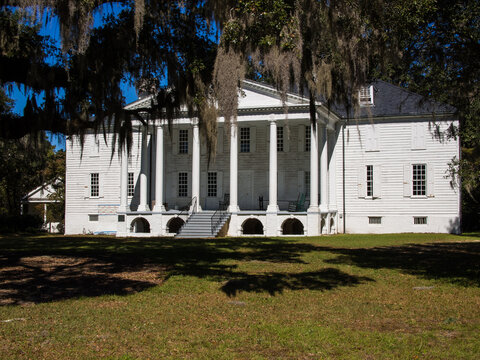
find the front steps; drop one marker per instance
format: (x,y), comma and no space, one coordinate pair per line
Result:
(199,225)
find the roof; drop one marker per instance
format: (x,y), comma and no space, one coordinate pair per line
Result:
(389,101)
(41,193)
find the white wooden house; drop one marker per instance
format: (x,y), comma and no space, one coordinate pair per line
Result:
(382,171)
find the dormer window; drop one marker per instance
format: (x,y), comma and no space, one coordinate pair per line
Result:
(366,95)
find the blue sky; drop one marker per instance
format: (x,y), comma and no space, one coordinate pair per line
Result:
(51,28)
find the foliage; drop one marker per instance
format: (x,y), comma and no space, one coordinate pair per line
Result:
(441,45)
(20,223)
(22,165)
(142,42)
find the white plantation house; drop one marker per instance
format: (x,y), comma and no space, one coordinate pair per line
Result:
(274,174)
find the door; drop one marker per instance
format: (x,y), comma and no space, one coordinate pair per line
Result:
(245,190)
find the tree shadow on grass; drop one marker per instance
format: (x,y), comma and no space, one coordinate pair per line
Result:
(454,262)
(42,269)
(275,283)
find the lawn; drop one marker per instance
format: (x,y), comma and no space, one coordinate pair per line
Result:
(406,296)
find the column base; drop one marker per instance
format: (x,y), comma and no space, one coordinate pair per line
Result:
(143,208)
(233,208)
(272,209)
(159,208)
(199,208)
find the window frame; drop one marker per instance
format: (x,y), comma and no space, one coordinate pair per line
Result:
(369,183)
(245,139)
(182,182)
(308,139)
(212,184)
(130,184)
(365,96)
(280,139)
(95,185)
(183,141)
(419,185)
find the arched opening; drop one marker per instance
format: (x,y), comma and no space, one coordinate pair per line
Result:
(175,224)
(322,226)
(140,225)
(292,227)
(252,227)
(332,225)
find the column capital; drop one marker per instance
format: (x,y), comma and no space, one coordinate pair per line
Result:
(195,122)
(271,119)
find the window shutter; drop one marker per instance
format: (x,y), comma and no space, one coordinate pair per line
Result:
(175,143)
(286,138)
(377,181)
(301,138)
(101,184)
(220,184)
(203,146)
(418,136)
(189,185)
(368,138)
(281,184)
(371,138)
(301,183)
(421,136)
(253,139)
(374,138)
(203,184)
(87,186)
(220,141)
(407,180)
(430,180)
(174,186)
(361,180)
(190,141)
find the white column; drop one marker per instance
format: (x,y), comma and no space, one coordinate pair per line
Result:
(332,165)
(324,170)
(159,170)
(196,166)
(143,172)
(123,179)
(313,166)
(233,168)
(44,213)
(272,174)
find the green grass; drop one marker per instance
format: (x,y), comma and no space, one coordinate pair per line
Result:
(405,296)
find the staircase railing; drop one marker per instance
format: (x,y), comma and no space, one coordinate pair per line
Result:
(192,205)
(217,217)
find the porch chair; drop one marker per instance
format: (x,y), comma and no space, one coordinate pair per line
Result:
(223,204)
(297,205)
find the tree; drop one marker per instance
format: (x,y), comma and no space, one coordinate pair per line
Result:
(22,166)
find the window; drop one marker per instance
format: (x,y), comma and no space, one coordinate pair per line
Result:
(94,185)
(131,185)
(244,140)
(280,138)
(307,183)
(182,184)
(121,218)
(419,180)
(307,138)
(92,217)
(377,220)
(369,180)
(420,220)
(183,141)
(212,184)
(365,96)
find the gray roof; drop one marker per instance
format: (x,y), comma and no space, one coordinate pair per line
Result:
(392,100)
